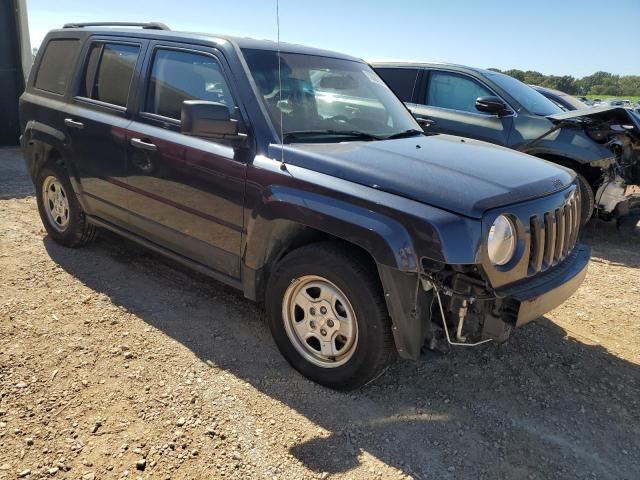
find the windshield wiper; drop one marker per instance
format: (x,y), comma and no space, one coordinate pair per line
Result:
(299,134)
(407,133)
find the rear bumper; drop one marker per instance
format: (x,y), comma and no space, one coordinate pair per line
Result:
(549,290)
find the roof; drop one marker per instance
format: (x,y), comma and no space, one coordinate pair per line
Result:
(420,63)
(550,90)
(209,38)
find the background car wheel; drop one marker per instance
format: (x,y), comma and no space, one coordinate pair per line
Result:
(59,209)
(587,199)
(328,317)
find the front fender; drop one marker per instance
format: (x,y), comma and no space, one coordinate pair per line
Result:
(398,233)
(385,239)
(572,144)
(287,211)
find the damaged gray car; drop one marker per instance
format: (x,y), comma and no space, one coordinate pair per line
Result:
(601,144)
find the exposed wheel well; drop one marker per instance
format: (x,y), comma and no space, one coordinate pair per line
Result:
(43,154)
(292,236)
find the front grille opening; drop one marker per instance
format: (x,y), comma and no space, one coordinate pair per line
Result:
(553,235)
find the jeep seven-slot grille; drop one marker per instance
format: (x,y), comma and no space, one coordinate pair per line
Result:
(553,235)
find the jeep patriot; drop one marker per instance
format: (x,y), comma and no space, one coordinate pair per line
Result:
(297,176)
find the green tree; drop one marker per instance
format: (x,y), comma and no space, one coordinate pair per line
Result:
(519,74)
(599,83)
(630,85)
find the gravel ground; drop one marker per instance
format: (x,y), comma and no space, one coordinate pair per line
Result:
(116,363)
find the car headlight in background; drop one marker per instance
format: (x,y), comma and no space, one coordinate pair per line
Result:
(502,241)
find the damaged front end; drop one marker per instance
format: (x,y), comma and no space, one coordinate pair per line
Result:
(447,304)
(617,189)
(467,311)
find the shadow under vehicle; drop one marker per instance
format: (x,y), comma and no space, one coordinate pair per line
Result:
(544,404)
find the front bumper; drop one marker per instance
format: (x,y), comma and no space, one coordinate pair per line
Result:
(546,291)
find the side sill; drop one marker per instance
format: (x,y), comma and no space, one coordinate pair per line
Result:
(198,267)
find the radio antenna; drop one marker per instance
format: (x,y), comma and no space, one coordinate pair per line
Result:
(283,166)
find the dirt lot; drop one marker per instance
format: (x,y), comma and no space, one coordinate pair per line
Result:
(115,363)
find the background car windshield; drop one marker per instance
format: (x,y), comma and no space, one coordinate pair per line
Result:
(578,105)
(526,96)
(322,94)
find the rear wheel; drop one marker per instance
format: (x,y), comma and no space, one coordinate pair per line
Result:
(327,315)
(59,209)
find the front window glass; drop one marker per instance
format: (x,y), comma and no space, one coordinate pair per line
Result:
(532,100)
(177,76)
(326,99)
(455,92)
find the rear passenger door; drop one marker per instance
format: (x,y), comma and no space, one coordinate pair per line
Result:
(448,99)
(186,192)
(96,122)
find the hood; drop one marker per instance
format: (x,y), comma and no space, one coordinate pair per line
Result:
(597,115)
(460,175)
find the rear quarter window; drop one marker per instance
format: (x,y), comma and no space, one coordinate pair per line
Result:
(56,66)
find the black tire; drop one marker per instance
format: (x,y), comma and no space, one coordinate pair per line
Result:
(78,231)
(354,275)
(587,200)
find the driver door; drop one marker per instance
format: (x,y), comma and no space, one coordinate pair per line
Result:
(186,192)
(449,102)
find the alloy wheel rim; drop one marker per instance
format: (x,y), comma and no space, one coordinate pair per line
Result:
(320,321)
(56,203)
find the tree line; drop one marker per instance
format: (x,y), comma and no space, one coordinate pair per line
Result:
(600,83)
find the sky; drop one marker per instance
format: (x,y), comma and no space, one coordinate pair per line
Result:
(559,37)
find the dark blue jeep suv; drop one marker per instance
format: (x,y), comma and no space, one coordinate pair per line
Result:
(297,176)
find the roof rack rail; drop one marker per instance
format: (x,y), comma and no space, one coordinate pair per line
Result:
(147,26)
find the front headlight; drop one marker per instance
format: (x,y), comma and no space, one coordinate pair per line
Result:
(502,241)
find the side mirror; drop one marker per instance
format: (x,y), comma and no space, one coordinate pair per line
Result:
(207,119)
(493,105)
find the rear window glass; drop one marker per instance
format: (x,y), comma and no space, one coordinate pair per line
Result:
(109,71)
(57,65)
(401,80)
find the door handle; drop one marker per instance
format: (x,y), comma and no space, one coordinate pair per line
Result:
(137,143)
(72,123)
(425,121)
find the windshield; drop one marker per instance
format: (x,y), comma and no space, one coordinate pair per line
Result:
(526,96)
(327,99)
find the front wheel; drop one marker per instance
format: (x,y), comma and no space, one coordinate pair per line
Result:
(327,315)
(587,199)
